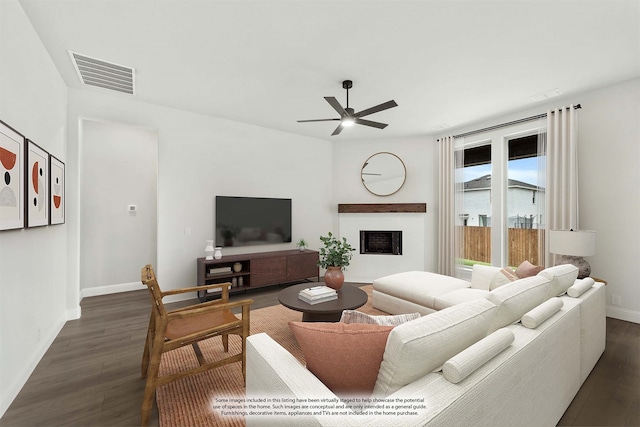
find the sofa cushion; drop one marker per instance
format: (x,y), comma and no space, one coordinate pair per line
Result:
(561,276)
(580,286)
(526,269)
(504,276)
(419,287)
(482,275)
(516,298)
(353,316)
(418,347)
(333,353)
(467,361)
(459,296)
(533,318)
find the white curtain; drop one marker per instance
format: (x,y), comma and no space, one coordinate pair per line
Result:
(562,172)
(449,199)
(541,202)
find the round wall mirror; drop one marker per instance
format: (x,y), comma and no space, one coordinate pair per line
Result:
(383,174)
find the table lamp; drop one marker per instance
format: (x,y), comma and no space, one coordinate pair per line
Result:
(573,246)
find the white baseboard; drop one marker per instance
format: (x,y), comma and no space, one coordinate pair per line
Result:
(111,289)
(623,314)
(356,279)
(10,391)
(74,313)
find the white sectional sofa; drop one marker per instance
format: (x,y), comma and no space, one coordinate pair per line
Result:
(515,355)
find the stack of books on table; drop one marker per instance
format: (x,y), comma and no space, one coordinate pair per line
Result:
(318,294)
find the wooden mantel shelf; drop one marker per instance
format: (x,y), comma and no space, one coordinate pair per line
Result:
(381,207)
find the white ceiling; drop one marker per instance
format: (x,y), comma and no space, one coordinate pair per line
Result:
(270,63)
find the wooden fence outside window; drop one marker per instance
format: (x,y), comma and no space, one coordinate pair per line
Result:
(523,245)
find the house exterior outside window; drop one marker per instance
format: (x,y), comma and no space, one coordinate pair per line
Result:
(503,221)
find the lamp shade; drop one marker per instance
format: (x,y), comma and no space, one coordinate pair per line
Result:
(574,243)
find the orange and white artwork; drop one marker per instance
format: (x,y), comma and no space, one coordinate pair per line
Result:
(12,178)
(57,202)
(37,194)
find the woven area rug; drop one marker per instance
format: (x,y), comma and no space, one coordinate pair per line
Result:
(188,402)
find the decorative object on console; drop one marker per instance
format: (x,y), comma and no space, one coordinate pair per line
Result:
(217,252)
(335,255)
(573,246)
(237,267)
(13,177)
(383,174)
(208,249)
(302,245)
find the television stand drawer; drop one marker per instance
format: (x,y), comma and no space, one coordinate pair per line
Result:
(268,271)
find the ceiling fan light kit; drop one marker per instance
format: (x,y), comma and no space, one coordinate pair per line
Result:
(348,116)
(347,122)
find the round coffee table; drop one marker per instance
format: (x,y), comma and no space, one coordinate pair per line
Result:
(349,298)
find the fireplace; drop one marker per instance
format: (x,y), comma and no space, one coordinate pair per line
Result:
(381,242)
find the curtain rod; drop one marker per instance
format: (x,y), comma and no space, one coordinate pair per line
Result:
(515,122)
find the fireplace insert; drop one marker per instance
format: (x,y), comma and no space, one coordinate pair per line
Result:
(381,242)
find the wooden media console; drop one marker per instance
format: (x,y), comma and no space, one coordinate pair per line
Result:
(254,270)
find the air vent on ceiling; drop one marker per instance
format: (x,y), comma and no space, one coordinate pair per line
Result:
(96,72)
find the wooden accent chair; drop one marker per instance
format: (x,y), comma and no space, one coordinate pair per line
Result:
(169,330)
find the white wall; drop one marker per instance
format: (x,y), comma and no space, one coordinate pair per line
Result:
(119,168)
(609,173)
(33,279)
(610,190)
(420,156)
(201,157)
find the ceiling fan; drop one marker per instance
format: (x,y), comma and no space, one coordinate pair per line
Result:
(348,116)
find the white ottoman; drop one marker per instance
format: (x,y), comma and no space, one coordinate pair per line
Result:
(413,291)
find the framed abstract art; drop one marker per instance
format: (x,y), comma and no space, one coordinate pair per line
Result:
(12,177)
(37,192)
(56,191)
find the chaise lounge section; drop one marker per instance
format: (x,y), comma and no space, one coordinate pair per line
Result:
(513,355)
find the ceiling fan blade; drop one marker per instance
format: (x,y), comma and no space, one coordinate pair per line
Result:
(336,105)
(318,120)
(383,106)
(370,123)
(338,130)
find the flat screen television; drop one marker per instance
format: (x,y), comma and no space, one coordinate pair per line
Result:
(246,221)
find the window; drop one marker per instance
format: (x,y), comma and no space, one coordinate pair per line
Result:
(476,203)
(501,177)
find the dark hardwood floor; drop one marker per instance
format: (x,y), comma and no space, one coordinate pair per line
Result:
(90,376)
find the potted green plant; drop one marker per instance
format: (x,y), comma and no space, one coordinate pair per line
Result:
(302,245)
(334,256)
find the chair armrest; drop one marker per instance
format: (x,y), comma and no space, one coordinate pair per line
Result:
(196,310)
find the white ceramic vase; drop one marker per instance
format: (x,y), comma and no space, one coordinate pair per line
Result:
(208,249)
